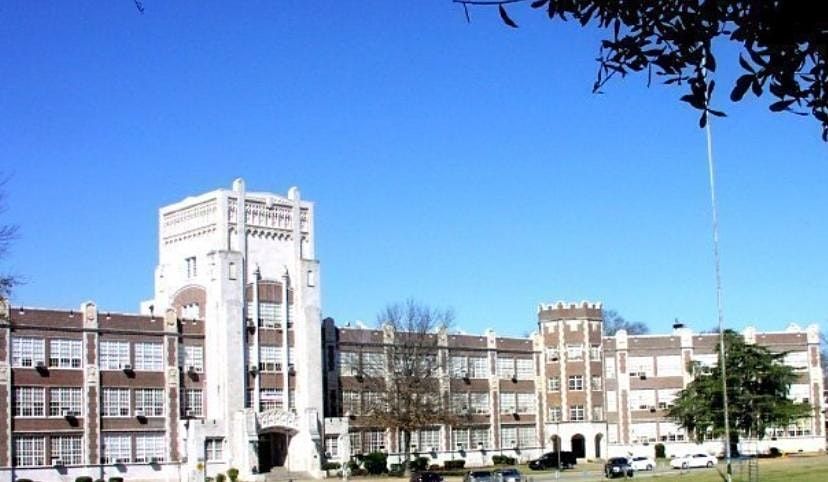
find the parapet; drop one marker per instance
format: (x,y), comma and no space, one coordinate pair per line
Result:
(563,310)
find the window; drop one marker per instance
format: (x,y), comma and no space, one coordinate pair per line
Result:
(460,403)
(525,368)
(595,383)
(460,438)
(270,315)
(149,447)
(706,362)
(478,367)
(29,450)
(189,311)
(554,384)
(798,360)
(612,433)
(505,367)
(429,439)
(576,413)
(554,414)
(574,352)
(114,355)
(373,401)
(670,432)
(150,401)
(597,413)
(642,399)
(375,440)
(148,357)
(192,270)
(799,392)
(479,402)
(115,402)
(29,402)
(350,403)
(525,403)
(67,448)
(508,403)
(508,437)
(270,358)
(609,367)
(457,367)
(643,432)
(193,403)
(270,398)
(666,397)
(595,352)
(669,366)
(27,352)
(612,401)
(527,436)
(348,363)
(576,382)
(373,364)
(193,356)
(331,446)
(117,448)
(552,355)
(215,448)
(65,353)
(641,365)
(355,441)
(64,401)
(479,437)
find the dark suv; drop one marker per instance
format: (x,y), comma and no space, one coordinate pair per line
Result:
(618,467)
(549,460)
(426,477)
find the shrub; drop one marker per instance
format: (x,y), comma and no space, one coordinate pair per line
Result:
(454,464)
(418,464)
(111,479)
(503,460)
(220,477)
(433,467)
(375,463)
(353,465)
(659,451)
(330,466)
(396,470)
(24,480)
(774,452)
(359,471)
(233,474)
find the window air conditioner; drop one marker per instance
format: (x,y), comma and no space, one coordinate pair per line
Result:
(189,413)
(139,414)
(40,365)
(652,409)
(57,463)
(127,367)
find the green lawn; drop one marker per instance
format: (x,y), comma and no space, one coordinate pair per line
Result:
(785,469)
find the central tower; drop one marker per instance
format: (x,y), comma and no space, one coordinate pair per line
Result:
(244,264)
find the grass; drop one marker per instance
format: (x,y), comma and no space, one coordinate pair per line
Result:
(783,469)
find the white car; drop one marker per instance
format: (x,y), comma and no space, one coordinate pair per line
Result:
(642,463)
(690,461)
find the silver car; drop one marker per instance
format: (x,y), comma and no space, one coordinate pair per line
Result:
(507,475)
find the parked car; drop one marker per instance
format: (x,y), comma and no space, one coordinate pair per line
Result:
(478,476)
(507,475)
(642,463)
(426,477)
(549,460)
(694,460)
(618,467)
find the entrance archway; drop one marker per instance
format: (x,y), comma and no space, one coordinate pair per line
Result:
(273,447)
(578,446)
(598,439)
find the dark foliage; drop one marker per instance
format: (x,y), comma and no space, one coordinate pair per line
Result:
(614,322)
(454,464)
(375,463)
(660,452)
(784,45)
(503,460)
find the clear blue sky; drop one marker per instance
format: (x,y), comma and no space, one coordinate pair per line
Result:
(467,166)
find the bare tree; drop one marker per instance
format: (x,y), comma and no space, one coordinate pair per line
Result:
(404,383)
(8,232)
(614,322)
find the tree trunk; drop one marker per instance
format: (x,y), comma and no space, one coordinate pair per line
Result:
(406,436)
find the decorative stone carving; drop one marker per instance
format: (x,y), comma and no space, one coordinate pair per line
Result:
(4,372)
(4,309)
(90,315)
(170,320)
(172,377)
(277,418)
(92,375)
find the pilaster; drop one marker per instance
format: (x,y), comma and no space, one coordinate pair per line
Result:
(173,382)
(5,386)
(91,383)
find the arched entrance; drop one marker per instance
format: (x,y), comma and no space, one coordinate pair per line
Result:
(598,439)
(578,446)
(276,427)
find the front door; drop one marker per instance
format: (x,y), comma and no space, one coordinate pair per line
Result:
(265,453)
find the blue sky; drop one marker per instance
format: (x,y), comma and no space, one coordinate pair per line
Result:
(467,166)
